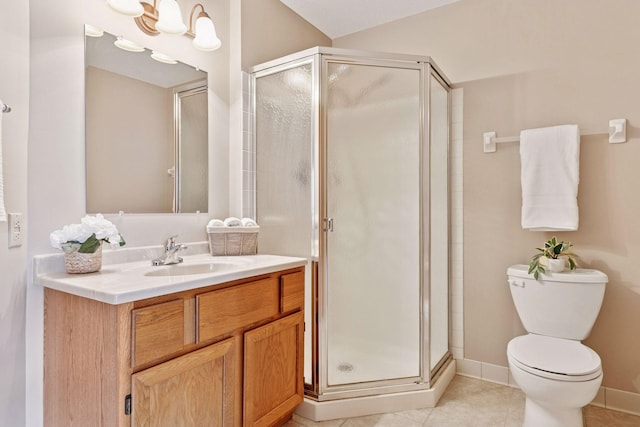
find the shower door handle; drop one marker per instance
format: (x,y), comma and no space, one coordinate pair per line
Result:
(328,224)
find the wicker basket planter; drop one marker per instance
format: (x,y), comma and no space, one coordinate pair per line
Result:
(76,262)
(233,240)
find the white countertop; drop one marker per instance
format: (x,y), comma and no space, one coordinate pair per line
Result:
(132,281)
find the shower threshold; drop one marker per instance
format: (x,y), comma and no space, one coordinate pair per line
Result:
(370,405)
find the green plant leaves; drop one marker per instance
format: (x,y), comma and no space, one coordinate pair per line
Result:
(90,245)
(553,249)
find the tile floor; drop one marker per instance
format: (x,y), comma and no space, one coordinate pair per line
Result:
(469,402)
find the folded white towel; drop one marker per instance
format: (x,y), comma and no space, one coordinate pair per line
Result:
(248,222)
(216,223)
(232,222)
(550,162)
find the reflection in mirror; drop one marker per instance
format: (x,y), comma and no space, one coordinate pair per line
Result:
(146,132)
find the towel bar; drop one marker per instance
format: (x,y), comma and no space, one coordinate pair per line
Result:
(617,133)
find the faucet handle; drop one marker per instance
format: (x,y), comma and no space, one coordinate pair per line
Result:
(171,243)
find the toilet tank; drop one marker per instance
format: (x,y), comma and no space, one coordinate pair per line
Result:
(562,305)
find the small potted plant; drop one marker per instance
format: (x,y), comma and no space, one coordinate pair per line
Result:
(82,243)
(552,257)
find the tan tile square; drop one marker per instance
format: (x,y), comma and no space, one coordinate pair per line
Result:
(395,419)
(515,416)
(309,423)
(600,417)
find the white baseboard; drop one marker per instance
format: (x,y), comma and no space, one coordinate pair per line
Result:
(609,398)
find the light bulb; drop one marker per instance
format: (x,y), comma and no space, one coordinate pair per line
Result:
(206,38)
(170,18)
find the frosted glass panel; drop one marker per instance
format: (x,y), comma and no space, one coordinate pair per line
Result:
(284,124)
(283,161)
(373,196)
(439,283)
(193,156)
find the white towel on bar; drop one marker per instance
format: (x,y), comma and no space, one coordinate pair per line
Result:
(3,213)
(550,162)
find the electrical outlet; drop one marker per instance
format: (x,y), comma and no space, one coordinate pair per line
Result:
(16,229)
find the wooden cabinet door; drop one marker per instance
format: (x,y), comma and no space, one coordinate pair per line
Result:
(273,371)
(195,390)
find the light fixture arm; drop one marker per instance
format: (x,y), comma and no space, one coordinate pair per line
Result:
(147,21)
(191,31)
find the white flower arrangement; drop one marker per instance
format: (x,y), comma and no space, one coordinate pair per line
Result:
(87,236)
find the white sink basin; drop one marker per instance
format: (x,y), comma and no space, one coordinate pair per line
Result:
(189,269)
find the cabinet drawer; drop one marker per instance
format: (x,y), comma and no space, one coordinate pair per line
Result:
(158,331)
(291,291)
(226,310)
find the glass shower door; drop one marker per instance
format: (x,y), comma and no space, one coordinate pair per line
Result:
(373,211)
(284,127)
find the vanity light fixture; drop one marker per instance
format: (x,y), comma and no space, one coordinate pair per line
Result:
(164,16)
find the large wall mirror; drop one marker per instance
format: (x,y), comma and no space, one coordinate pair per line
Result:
(146,131)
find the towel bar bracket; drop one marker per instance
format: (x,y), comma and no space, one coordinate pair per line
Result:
(489,142)
(617,131)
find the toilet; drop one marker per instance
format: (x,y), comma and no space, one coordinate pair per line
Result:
(556,372)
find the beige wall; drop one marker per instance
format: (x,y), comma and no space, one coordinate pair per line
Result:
(140,147)
(271,30)
(533,63)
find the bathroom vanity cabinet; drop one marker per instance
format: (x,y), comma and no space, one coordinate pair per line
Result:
(223,355)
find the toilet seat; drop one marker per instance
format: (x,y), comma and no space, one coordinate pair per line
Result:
(554,358)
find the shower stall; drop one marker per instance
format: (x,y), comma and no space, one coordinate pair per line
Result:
(352,173)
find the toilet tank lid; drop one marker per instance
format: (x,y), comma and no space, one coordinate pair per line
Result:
(579,275)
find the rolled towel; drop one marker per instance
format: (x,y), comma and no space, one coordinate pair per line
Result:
(232,222)
(248,222)
(215,223)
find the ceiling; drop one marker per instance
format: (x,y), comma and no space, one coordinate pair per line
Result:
(337,18)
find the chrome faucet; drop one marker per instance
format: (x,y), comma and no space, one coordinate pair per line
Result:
(170,255)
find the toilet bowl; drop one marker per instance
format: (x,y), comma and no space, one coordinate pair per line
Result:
(557,373)
(557,376)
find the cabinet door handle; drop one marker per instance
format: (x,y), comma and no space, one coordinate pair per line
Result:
(127,404)
(328,224)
